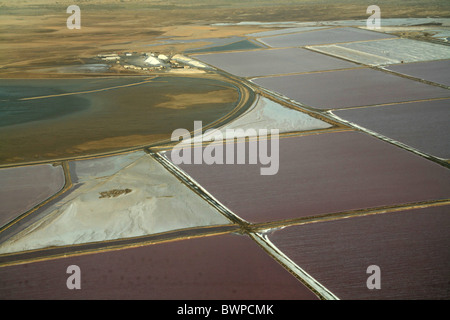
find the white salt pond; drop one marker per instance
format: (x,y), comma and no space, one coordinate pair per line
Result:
(86,170)
(385,52)
(148,200)
(265,114)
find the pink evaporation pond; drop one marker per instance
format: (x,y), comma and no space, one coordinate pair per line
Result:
(215,267)
(22,188)
(321,174)
(422,125)
(350,88)
(409,247)
(434,71)
(276,61)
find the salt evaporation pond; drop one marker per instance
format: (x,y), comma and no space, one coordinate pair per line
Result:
(152,201)
(23,188)
(385,52)
(321,174)
(274,61)
(350,88)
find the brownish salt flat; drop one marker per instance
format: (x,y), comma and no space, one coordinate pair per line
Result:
(410,247)
(321,174)
(22,188)
(215,267)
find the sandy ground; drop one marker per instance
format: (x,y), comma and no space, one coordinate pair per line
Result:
(186,71)
(157,202)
